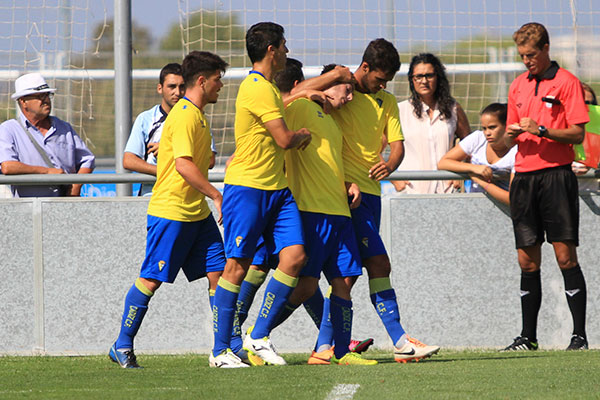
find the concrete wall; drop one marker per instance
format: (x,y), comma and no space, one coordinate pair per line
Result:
(68,263)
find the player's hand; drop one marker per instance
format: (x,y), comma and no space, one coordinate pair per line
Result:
(529,125)
(305,138)
(218,202)
(344,74)
(482,171)
(153,148)
(514,130)
(379,171)
(55,171)
(354,193)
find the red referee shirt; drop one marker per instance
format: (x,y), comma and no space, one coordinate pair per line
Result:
(568,108)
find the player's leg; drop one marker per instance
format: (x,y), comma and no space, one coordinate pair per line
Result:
(307,286)
(244,221)
(257,273)
(165,254)
(314,306)
(285,229)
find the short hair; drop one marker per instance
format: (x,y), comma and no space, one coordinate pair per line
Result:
(382,55)
(444,99)
(588,88)
(500,110)
(532,32)
(169,69)
(203,63)
(285,78)
(260,36)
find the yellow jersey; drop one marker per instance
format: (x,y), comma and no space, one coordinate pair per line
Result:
(316,175)
(258,161)
(185,134)
(363,122)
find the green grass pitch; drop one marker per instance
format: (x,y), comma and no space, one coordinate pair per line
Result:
(469,374)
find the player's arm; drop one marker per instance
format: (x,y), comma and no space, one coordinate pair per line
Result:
(383,169)
(286,138)
(133,163)
(353,192)
(574,134)
(338,74)
(314,95)
(192,175)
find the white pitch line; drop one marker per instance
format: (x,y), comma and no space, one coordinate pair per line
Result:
(342,391)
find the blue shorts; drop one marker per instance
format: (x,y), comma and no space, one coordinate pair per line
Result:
(196,247)
(264,256)
(330,246)
(250,213)
(366,219)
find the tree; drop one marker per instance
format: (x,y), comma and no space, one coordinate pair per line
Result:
(206,30)
(104,36)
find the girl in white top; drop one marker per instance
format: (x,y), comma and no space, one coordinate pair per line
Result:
(431,121)
(492,162)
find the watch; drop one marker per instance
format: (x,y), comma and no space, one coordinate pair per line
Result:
(542,131)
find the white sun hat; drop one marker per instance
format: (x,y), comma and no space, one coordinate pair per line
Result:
(30,84)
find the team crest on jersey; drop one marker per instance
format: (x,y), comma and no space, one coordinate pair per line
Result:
(365,241)
(379,102)
(203,124)
(238,240)
(184,107)
(161,265)
(320,114)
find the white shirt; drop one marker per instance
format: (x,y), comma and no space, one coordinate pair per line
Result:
(475,145)
(426,141)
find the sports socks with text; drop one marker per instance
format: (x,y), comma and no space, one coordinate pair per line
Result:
(383,298)
(136,305)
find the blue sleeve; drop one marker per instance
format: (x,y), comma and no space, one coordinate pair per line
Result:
(136,143)
(84,158)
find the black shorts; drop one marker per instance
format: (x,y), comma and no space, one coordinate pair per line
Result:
(545,201)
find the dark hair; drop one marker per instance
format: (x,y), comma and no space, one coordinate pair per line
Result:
(329,67)
(382,55)
(169,69)
(500,110)
(201,63)
(285,78)
(260,36)
(588,88)
(445,101)
(532,32)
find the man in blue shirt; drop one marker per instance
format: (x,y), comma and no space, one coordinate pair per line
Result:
(37,143)
(142,147)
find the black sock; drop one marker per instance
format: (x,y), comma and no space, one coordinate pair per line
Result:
(531,300)
(576,293)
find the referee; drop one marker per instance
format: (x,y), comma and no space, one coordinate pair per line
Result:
(546,117)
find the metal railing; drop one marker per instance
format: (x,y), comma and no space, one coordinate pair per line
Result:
(63,179)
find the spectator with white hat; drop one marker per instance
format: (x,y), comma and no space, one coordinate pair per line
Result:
(37,143)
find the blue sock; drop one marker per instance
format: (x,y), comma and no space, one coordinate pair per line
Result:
(325,337)
(288,310)
(252,282)
(224,308)
(236,334)
(276,294)
(136,305)
(314,307)
(383,298)
(341,319)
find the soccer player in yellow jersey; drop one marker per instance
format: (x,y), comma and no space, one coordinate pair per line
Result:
(372,114)
(256,199)
(182,234)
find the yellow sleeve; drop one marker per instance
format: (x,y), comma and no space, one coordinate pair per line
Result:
(266,103)
(183,136)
